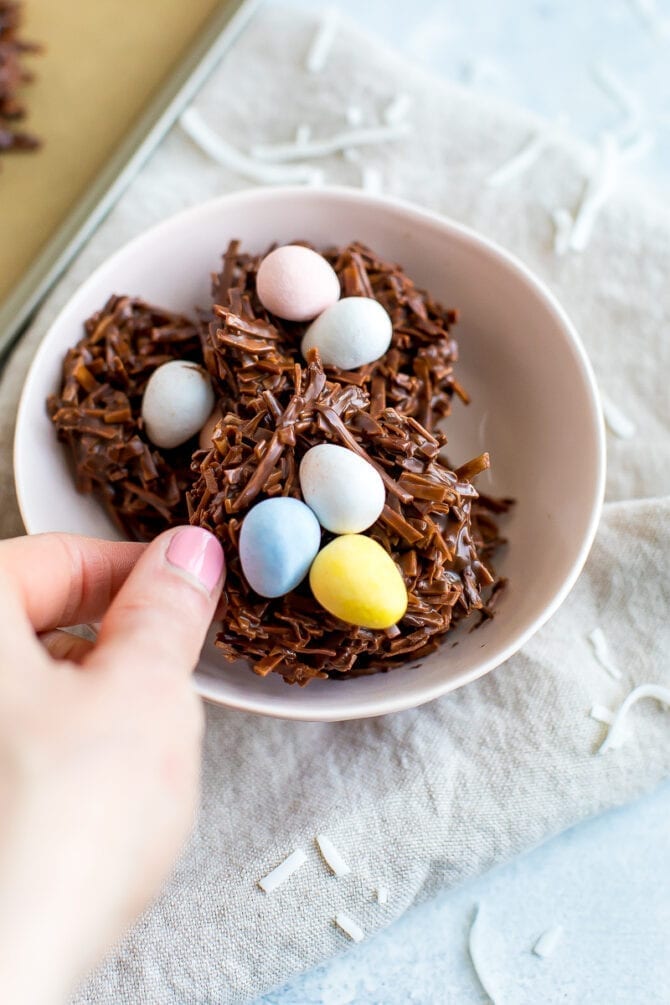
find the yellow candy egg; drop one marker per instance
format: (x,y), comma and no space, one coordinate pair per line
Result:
(357,581)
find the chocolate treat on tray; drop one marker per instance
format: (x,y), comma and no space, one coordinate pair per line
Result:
(13,75)
(350,545)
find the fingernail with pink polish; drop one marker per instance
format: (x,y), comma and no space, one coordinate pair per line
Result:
(196,551)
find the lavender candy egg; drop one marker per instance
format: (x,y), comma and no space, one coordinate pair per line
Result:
(296,283)
(351,333)
(279,540)
(344,490)
(178,400)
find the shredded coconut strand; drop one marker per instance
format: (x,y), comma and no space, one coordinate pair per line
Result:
(473,949)
(228,156)
(599,187)
(354,115)
(371,179)
(332,856)
(519,163)
(627,102)
(602,653)
(323,40)
(548,941)
(605,716)
(656,691)
(616,421)
(303,133)
(601,713)
(349,927)
(279,875)
(382,895)
(562,230)
(281,152)
(397,111)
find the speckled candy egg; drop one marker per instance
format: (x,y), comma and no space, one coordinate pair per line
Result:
(177,400)
(357,581)
(296,283)
(278,541)
(354,331)
(344,490)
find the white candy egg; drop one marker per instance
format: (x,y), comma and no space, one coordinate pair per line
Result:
(344,490)
(354,331)
(296,283)
(178,400)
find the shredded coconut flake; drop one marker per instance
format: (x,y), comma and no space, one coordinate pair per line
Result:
(303,133)
(599,187)
(656,691)
(382,895)
(627,102)
(332,856)
(354,115)
(281,152)
(279,875)
(519,163)
(372,179)
(323,40)
(228,156)
(602,653)
(397,111)
(548,941)
(604,715)
(616,421)
(349,927)
(474,950)
(562,230)
(601,713)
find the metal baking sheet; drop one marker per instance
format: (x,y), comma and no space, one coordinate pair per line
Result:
(203,55)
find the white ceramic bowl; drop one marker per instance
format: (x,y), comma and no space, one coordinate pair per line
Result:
(534,408)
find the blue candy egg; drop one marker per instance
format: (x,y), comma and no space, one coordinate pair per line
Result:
(279,540)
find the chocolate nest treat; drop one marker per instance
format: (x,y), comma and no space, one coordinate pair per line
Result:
(273,407)
(13,75)
(98,414)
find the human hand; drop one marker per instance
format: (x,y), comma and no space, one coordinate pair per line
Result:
(99,743)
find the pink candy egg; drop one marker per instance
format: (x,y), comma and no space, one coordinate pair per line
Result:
(296,283)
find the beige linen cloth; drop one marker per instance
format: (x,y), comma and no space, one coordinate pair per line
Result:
(421,800)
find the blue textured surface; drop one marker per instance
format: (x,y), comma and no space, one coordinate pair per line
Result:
(607,882)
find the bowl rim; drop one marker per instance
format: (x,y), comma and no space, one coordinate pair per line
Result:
(389,703)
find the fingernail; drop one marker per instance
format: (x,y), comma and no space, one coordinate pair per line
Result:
(196,551)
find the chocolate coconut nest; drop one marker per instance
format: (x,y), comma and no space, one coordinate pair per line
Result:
(13,76)
(440,532)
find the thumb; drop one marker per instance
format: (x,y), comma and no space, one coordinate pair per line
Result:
(161,614)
